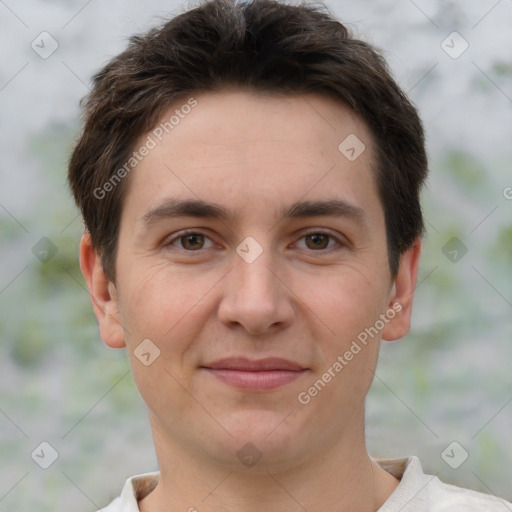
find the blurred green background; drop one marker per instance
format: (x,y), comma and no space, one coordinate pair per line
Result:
(448,380)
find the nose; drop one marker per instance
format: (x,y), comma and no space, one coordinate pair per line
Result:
(256,295)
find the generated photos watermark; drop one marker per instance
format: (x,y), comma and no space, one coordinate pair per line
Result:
(152,140)
(363,337)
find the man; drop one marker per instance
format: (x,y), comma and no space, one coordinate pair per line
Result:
(249,178)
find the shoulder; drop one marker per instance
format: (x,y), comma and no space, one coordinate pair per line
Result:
(419,492)
(444,497)
(115,506)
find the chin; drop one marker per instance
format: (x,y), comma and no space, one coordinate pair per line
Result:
(260,441)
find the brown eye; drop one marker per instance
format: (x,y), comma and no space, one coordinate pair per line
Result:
(189,241)
(321,242)
(318,240)
(192,242)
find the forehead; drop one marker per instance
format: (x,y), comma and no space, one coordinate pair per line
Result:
(256,151)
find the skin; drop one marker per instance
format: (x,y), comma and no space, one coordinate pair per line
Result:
(255,154)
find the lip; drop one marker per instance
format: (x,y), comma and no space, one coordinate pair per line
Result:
(254,365)
(255,375)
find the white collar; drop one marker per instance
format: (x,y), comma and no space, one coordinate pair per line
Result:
(408,470)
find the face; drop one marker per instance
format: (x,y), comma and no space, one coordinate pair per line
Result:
(252,260)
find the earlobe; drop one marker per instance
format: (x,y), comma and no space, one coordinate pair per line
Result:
(402,294)
(103,295)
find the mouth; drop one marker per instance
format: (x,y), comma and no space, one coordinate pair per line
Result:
(255,375)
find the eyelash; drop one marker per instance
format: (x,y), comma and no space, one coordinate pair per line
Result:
(189,232)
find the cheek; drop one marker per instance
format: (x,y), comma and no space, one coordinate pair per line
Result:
(348,300)
(153,293)
(349,303)
(166,307)
(163,309)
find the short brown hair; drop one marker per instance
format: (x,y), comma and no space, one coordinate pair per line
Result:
(263,45)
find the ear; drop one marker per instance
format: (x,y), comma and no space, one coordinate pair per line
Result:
(103,295)
(402,293)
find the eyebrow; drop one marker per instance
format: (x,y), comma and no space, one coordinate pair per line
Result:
(172,208)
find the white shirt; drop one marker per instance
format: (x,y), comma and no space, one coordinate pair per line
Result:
(416,492)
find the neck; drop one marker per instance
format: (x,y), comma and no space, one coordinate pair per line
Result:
(343,478)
